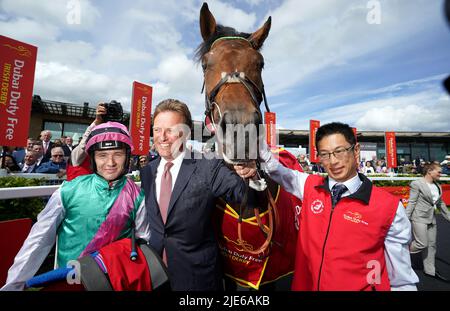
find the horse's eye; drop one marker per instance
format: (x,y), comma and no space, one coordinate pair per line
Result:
(204,65)
(261,64)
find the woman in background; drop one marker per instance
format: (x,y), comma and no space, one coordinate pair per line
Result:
(425,198)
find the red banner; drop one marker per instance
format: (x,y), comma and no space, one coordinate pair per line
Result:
(313,126)
(354,132)
(271,128)
(402,192)
(17,65)
(140,119)
(19,229)
(391,149)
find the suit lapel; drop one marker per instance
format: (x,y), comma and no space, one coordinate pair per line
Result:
(439,188)
(426,191)
(152,187)
(186,170)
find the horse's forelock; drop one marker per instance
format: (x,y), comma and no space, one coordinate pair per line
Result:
(221,31)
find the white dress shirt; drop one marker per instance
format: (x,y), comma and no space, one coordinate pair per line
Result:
(434,192)
(26,167)
(174,170)
(45,144)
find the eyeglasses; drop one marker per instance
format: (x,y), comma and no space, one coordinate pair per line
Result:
(339,153)
(57,155)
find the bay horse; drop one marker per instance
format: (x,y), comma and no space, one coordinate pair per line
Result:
(232,65)
(233,86)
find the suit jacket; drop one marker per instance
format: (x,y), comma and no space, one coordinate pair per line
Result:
(67,150)
(420,204)
(32,168)
(48,154)
(50,167)
(188,237)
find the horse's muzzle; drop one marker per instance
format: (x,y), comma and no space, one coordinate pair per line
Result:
(239,136)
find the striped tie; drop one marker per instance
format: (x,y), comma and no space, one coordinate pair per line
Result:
(336,193)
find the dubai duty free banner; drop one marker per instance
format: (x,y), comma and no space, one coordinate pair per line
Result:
(17,66)
(141,107)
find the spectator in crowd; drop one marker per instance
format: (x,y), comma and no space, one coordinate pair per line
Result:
(63,139)
(345,204)
(446,165)
(368,169)
(39,150)
(418,164)
(304,162)
(133,166)
(143,161)
(385,170)
(47,145)
(68,147)
(87,213)
(378,167)
(18,154)
(56,165)
(57,143)
(317,168)
(10,164)
(6,150)
(446,168)
(29,165)
(425,198)
(153,154)
(361,165)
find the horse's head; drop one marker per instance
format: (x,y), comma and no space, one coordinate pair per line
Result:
(233,86)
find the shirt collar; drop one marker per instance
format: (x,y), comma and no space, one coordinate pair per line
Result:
(352,184)
(176,162)
(362,189)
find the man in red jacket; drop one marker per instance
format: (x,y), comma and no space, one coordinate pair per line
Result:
(352,235)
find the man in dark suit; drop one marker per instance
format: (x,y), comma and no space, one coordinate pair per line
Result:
(30,163)
(47,145)
(68,147)
(180,195)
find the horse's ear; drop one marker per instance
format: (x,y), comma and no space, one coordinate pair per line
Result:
(258,37)
(207,22)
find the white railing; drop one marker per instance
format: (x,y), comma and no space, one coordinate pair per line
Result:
(42,191)
(29,192)
(401,178)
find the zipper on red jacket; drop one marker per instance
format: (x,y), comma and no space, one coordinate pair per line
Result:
(323,249)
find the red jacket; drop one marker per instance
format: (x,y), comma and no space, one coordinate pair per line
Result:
(343,248)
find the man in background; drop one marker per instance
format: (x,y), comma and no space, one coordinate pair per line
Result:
(29,165)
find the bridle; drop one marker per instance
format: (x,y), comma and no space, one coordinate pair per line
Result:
(255,93)
(233,77)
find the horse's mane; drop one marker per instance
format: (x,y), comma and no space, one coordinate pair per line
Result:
(221,31)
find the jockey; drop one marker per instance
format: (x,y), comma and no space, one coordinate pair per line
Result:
(86,213)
